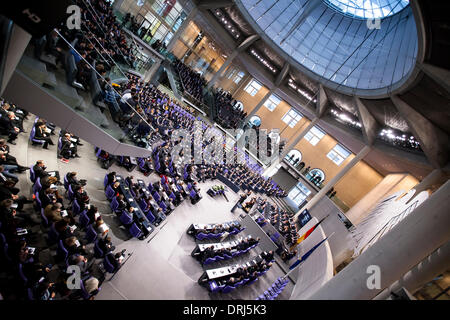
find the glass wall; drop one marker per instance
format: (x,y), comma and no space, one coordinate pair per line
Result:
(154,20)
(299,193)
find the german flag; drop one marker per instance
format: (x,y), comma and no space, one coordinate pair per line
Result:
(306,235)
(306,255)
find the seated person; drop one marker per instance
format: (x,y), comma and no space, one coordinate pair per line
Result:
(123,205)
(116,259)
(74,246)
(91,286)
(106,245)
(93,214)
(43,133)
(63,228)
(44,291)
(101,227)
(126,163)
(268,256)
(40,170)
(252,241)
(53,212)
(68,148)
(72,179)
(111,178)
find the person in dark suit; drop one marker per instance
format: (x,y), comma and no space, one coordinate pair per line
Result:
(73,246)
(81,196)
(41,133)
(268,256)
(68,148)
(7,158)
(72,179)
(39,169)
(7,126)
(106,245)
(111,178)
(253,241)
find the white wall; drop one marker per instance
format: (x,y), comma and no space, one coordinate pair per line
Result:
(341,244)
(389,185)
(317,269)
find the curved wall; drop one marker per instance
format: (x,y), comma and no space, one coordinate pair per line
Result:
(317,269)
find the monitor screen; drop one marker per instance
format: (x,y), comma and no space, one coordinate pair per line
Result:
(304,217)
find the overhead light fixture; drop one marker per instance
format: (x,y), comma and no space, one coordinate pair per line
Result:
(263,61)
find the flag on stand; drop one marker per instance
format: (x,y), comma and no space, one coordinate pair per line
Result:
(306,235)
(306,255)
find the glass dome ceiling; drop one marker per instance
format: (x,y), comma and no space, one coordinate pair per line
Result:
(337,46)
(368,9)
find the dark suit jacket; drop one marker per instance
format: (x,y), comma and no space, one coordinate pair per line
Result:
(39,172)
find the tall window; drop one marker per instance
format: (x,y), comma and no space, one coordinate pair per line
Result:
(231,73)
(292,117)
(272,102)
(314,135)
(299,193)
(338,154)
(253,87)
(239,77)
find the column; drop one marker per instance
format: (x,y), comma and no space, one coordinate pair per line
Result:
(423,231)
(335,179)
(222,68)
(181,29)
(289,147)
(434,178)
(18,41)
(243,46)
(151,72)
(298,138)
(425,271)
(243,82)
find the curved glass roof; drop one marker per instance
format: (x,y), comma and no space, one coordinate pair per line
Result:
(342,52)
(368,9)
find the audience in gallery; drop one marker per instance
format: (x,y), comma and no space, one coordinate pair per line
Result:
(193,82)
(20,241)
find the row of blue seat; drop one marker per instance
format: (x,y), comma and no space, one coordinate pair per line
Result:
(124,217)
(215,236)
(214,287)
(275,290)
(226,256)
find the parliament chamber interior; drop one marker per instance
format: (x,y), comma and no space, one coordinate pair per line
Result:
(224,150)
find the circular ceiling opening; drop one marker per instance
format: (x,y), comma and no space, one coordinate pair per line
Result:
(337,43)
(368,9)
